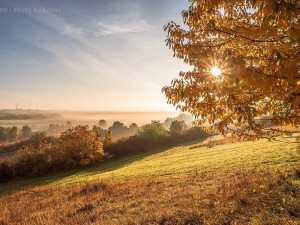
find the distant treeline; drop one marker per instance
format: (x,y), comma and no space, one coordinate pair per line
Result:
(12,134)
(27,116)
(118,128)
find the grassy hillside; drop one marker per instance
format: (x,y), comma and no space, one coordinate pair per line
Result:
(242,183)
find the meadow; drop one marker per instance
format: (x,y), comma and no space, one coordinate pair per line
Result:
(236,183)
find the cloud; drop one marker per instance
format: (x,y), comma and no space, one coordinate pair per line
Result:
(119,26)
(73,30)
(108,26)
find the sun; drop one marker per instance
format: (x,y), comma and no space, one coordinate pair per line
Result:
(216,71)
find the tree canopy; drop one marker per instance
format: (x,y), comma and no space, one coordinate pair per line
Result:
(254,47)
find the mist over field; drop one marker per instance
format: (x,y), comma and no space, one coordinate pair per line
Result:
(40,119)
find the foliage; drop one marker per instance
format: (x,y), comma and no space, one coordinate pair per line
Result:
(26,131)
(6,172)
(2,134)
(152,131)
(39,155)
(119,129)
(99,131)
(79,146)
(35,159)
(38,135)
(103,124)
(255,43)
(13,134)
(152,137)
(133,128)
(108,140)
(188,119)
(55,129)
(177,127)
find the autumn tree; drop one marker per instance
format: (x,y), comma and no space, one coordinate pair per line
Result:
(245,60)
(79,146)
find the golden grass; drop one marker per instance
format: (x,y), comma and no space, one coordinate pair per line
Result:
(239,183)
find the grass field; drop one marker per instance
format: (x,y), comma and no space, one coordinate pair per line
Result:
(239,183)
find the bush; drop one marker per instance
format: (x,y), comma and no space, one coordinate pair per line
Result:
(35,159)
(152,137)
(153,131)
(6,171)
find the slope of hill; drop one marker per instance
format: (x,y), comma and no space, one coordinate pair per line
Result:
(240,183)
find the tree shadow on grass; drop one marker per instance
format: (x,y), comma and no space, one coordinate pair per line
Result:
(108,166)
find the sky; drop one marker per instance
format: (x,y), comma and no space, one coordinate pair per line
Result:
(87,55)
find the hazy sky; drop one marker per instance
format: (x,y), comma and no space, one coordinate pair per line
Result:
(87,55)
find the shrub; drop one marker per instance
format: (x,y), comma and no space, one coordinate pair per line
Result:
(152,137)
(35,159)
(6,171)
(153,131)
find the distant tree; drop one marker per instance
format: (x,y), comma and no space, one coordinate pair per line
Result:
(119,129)
(26,131)
(152,131)
(168,122)
(103,124)
(13,134)
(133,126)
(117,125)
(52,129)
(69,125)
(108,140)
(133,129)
(155,122)
(3,136)
(177,127)
(188,119)
(56,129)
(97,131)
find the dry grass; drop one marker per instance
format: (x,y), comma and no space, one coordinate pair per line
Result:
(223,197)
(211,142)
(239,183)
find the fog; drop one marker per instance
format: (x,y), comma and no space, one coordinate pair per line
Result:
(40,119)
